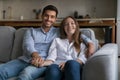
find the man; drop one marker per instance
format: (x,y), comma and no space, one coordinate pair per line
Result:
(36,44)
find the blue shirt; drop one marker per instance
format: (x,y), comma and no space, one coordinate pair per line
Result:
(37,40)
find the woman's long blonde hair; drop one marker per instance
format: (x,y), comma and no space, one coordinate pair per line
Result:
(76,36)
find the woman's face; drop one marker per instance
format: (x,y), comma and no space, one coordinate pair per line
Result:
(70,26)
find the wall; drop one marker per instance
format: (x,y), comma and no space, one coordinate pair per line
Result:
(1,8)
(95,8)
(118,25)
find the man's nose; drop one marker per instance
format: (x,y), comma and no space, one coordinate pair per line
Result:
(49,18)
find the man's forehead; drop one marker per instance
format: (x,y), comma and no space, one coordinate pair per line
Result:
(50,12)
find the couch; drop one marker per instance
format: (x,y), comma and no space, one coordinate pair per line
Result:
(100,66)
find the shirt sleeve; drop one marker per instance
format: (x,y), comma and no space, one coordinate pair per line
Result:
(85,39)
(82,56)
(28,43)
(52,54)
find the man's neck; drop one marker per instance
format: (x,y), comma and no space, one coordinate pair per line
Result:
(46,29)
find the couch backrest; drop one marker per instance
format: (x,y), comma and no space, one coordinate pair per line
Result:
(17,48)
(91,34)
(6,42)
(11,41)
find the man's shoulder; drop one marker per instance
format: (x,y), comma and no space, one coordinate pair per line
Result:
(54,28)
(33,29)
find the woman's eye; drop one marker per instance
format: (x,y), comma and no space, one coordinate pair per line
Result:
(73,23)
(66,24)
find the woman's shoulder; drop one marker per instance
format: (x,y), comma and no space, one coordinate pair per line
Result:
(57,39)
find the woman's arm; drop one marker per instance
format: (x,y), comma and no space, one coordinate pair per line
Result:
(46,63)
(52,54)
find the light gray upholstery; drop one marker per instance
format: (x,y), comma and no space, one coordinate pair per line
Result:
(100,66)
(90,33)
(6,42)
(103,64)
(17,48)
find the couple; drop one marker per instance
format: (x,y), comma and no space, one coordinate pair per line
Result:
(44,51)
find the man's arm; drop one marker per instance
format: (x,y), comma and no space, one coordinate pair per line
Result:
(28,43)
(29,49)
(91,49)
(90,45)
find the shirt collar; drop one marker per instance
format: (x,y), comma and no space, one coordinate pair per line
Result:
(48,31)
(68,42)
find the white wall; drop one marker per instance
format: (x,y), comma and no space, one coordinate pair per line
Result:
(1,9)
(103,8)
(118,25)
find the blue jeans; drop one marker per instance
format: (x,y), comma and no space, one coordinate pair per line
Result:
(71,71)
(19,68)
(53,72)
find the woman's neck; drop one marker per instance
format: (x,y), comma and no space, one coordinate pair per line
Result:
(70,38)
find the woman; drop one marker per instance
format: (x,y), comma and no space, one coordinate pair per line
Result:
(67,53)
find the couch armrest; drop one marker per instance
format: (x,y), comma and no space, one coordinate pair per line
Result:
(103,64)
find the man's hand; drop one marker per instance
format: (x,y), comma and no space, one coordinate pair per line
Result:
(35,54)
(90,50)
(36,59)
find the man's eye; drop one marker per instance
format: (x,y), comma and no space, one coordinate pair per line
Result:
(45,15)
(52,16)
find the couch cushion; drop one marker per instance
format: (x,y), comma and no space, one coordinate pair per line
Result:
(17,48)
(6,42)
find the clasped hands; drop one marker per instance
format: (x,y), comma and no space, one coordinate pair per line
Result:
(37,61)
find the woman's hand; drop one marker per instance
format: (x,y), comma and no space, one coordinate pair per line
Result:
(46,63)
(78,60)
(61,65)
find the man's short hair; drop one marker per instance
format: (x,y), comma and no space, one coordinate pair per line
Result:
(50,7)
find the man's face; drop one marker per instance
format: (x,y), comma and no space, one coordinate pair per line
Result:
(49,18)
